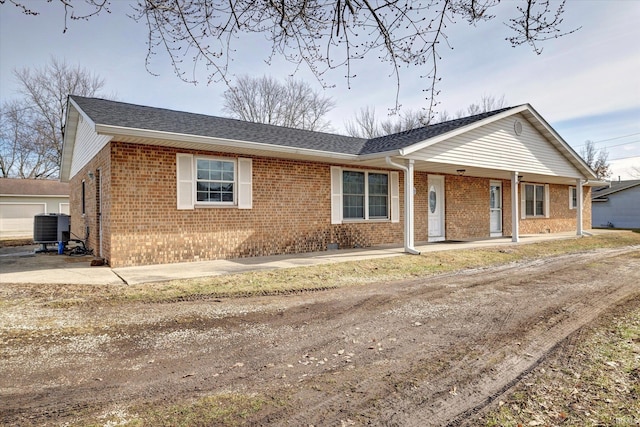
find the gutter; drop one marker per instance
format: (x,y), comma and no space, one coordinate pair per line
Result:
(408,206)
(112,130)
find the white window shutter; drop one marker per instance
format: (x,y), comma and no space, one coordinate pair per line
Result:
(523,202)
(336,195)
(394,179)
(184,173)
(245,177)
(547,208)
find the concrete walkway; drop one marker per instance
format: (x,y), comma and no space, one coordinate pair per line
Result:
(27,267)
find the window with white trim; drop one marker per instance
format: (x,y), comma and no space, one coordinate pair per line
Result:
(215,181)
(534,200)
(365,195)
(573,197)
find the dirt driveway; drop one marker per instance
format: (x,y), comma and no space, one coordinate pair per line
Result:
(412,353)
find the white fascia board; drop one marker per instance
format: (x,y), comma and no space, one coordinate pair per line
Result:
(68,142)
(431,141)
(376,156)
(154,134)
(82,113)
(563,143)
(70,131)
(596,183)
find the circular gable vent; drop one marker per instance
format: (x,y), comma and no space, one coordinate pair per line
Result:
(517,127)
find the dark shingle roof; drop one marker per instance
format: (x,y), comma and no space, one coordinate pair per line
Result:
(615,187)
(413,136)
(158,119)
(125,115)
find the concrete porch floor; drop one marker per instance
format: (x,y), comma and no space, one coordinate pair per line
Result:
(26,267)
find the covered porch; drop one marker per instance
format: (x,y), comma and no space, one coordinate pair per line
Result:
(450,202)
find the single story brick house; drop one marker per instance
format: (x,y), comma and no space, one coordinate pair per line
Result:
(22,199)
(151,185)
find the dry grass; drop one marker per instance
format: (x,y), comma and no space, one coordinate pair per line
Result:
(225,409)
(310,278)
(10,242)
(595,384)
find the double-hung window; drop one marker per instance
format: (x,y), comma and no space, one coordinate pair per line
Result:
(573,197)
(215,181)
(365,195)
(534,200)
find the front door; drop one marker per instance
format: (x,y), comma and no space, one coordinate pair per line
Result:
(436,208)
(495,208)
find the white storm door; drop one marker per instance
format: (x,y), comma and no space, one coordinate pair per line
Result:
(436,208)
(495,208)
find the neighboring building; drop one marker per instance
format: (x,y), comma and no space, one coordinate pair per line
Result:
(22,199)
(617,206)
(151,185)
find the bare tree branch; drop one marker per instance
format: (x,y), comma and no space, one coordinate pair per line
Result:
(538,22)
(31,129)
(324,35)
(597,159)
(266,100)
(366,125)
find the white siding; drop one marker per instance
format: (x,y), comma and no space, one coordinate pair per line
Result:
(87,144)
(496,146)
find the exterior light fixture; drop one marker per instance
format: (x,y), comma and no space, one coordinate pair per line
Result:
(91,175)
(461,171)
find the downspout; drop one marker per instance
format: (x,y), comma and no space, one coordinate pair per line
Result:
(515,202)
(408,204)
(579,207)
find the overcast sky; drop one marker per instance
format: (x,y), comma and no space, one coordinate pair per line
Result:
(586,85)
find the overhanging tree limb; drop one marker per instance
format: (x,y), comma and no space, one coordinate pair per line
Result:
(323,34)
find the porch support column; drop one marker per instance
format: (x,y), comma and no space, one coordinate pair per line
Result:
(579,207)
(408,203)
(409,236)
(515,202)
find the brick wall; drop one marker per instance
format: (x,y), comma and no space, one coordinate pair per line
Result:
(467,213)
(561,218)
(466,207)
(420,206)
(87,225)
(291,213)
